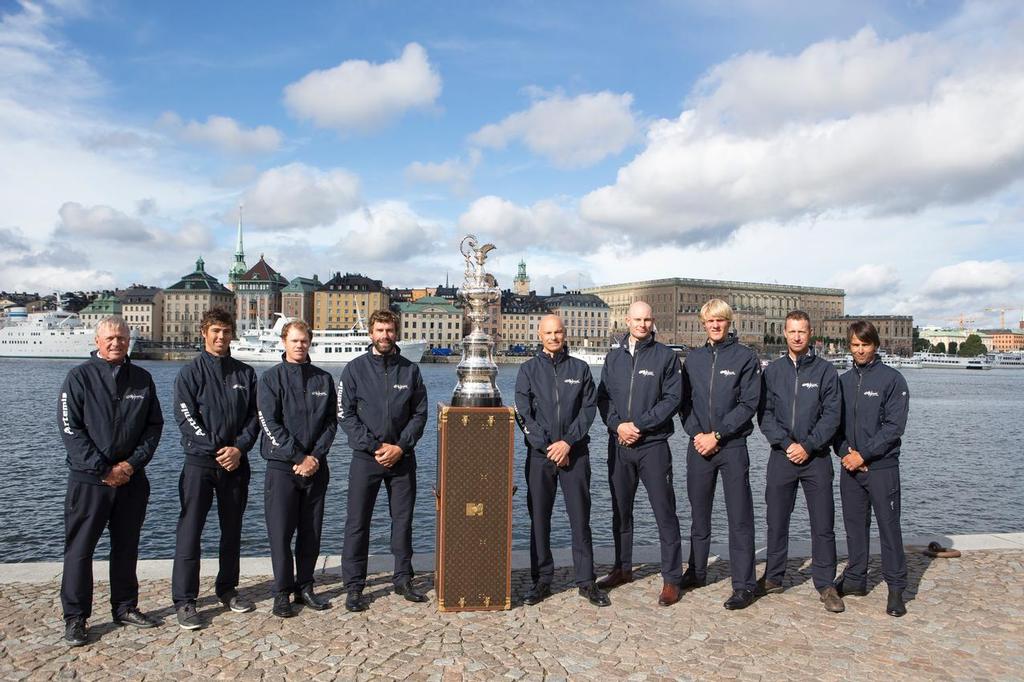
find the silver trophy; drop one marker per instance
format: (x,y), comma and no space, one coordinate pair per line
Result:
(477,369)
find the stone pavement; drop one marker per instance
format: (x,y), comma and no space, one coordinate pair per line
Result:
(966,622)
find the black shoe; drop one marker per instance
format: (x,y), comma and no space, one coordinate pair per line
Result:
(309,598)
(895,606)
(236,602)
(766,586)
(354,601)
(740,599)
(537,594)
(188,618)
(283,606)
(595,595)
(74,632)
(845,591)
(410,593)
(137,618)
(690,581)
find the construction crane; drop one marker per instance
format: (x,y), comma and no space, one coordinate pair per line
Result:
(962,320)
(1002,315)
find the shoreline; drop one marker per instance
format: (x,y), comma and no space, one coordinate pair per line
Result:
(330,564)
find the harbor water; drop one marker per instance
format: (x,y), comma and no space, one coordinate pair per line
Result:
(962,468)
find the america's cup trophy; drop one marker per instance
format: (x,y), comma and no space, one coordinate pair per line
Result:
(477,369)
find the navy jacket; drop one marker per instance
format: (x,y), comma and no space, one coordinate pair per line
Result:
(215,406)
(721,390)
(104,421)
(800,403)
(382,399)
(297,410)
(555,400)
(644,388)
(876,401)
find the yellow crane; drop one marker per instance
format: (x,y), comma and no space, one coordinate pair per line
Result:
(962,320)
(1002,315)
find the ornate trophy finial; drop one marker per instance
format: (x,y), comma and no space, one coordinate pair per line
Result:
(477,370)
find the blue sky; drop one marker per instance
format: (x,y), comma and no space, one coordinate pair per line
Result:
(874,146)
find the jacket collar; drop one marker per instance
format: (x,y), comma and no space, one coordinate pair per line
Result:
(649,341)
(558,358)
(95,358)
(729,340)
(284,361)
(870,366)
(806,359)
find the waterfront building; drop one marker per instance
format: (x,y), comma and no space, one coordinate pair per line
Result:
(187,300)
(104,305)
(346,301)
(258,296)
(430,318)
(1002,340)
(585,316)
(521,284)
(943,335)
(674,300)
(896,332)
(297,298)
(747,324)
(446,292)
(520,319)
(142,308)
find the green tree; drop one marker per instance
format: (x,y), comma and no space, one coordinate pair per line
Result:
(921,345)
(952,348)
(940,347)
(972,347)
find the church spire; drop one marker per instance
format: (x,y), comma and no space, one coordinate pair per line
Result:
(238,268)
(239,251)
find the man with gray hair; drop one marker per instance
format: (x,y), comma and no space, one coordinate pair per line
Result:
(110,420)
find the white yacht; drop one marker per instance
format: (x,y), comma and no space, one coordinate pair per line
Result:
(50,334)
(899,362)
(940,361)
(329,345)
(589,355)
(1007,360)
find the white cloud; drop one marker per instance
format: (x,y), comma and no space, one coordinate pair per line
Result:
(570,132)
(868,280)
(893,127)
(222,132)
(974,277)
(299,196)
(102,222)
(359,95)
(387,232)
(456,173)
(546,222)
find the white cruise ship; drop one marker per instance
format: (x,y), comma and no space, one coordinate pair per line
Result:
(330,346)
(51,334)
(1007,360)
(942,361)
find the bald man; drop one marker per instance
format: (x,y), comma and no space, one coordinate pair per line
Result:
(555,406)
(640,391)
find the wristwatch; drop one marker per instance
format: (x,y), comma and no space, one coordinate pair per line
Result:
(718,435)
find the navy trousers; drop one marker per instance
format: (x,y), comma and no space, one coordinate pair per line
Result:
(294,507)
(364,478)
(197,486)
(651,464)
(877,489)
(542,480)
(88,509)
(815,477)
(733,463)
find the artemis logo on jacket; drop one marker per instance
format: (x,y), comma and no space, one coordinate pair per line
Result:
(322,394)
(399,387)
(238,386)
(134,396)
(727,373)
(572,381)
(808,384)
(646,373)
(64,413)
(871,394)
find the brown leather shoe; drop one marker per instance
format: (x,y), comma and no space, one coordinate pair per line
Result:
(615,578)
(670,594)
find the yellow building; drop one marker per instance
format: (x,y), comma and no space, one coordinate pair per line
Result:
(187,300)
(896,332)
(346,301)
(432,319)
(520,320)
(143,309)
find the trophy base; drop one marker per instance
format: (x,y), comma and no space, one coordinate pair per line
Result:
(476,401)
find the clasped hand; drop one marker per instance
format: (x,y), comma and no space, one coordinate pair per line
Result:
(307,467)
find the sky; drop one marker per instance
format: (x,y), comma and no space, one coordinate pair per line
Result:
(874,146)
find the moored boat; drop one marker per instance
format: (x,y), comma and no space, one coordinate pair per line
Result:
(49,334)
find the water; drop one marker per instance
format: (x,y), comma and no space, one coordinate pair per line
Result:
(961,467)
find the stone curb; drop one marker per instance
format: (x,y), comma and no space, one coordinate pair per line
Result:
(155,569)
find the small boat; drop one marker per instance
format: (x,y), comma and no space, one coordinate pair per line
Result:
(50,334)
(1007,360)
(942,361)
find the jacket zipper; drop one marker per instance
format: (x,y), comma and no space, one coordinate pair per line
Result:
(856,400)
(558,405)
(796,392)
(629,402)
(711,387)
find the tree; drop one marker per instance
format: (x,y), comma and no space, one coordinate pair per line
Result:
(940,347)
(972,347)
(952,348)
(921,345)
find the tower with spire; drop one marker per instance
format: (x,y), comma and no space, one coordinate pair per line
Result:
(238,268)
(521,283)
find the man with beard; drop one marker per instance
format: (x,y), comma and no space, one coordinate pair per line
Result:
(382,409)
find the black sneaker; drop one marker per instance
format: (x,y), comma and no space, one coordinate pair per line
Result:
(537,594)
(137,618)
(237,602)
(188,618)
(74,632)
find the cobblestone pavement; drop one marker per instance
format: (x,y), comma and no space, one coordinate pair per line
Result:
(966,622)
